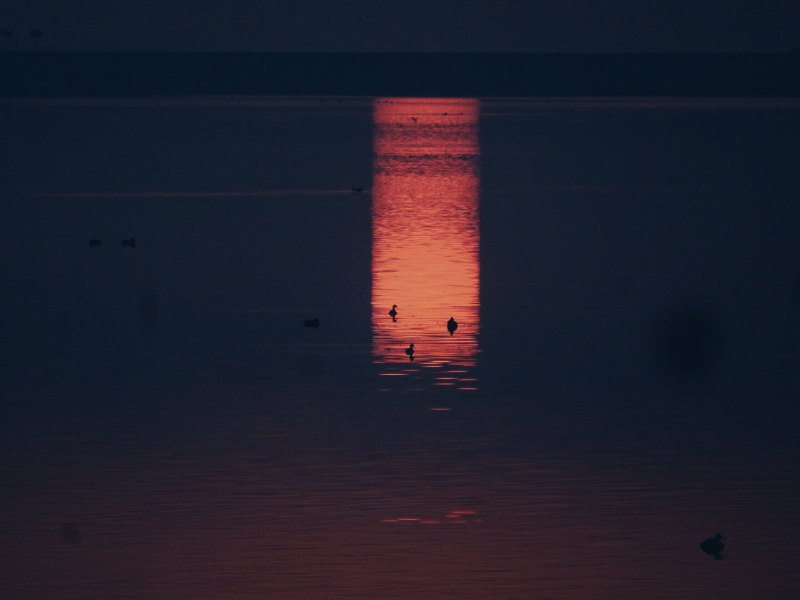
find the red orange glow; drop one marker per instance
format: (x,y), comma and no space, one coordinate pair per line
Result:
(459,517)
(425,232)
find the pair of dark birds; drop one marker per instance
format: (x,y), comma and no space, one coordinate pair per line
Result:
(452,325)
(129,243)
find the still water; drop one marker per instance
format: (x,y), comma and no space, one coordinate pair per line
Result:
(625,275)
(425,238)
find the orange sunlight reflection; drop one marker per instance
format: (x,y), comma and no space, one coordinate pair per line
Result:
(425,235)
(461,516)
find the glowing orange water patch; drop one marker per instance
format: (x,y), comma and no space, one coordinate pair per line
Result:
(425,231)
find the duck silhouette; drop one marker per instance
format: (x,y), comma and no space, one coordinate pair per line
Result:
(311,323)
(714,546)
(130,243)
(410,352)
(452,326)
(393,312)
(94,243)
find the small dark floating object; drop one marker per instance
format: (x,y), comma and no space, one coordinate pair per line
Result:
(393,312)
(94,243)
(311,323)
(714,546)
(357,190)
(410,351)
(452,326)
(131,243)
(70,534)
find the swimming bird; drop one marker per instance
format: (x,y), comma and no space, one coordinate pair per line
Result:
(393,312)
(714,546)
(452,326)
(131,243)
(311,323)
(410,352)
(94,243)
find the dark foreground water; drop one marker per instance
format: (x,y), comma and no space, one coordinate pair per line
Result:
(622,383)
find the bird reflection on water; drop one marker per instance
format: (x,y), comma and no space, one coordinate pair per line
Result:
(426,236)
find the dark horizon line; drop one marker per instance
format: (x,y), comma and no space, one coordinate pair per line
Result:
(26,51)
(484,74)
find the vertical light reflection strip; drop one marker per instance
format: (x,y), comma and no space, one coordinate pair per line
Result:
(425,240)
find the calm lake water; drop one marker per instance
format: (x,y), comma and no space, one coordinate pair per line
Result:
(622,384)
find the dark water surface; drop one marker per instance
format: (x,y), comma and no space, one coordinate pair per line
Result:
(622,384)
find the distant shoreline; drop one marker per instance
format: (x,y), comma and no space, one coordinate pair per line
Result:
(50,74)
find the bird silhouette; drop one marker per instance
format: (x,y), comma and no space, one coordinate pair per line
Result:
(94,243)
(130,243)
(410,352)
(714,546)
(393,312)
(452,326)
(311,323)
